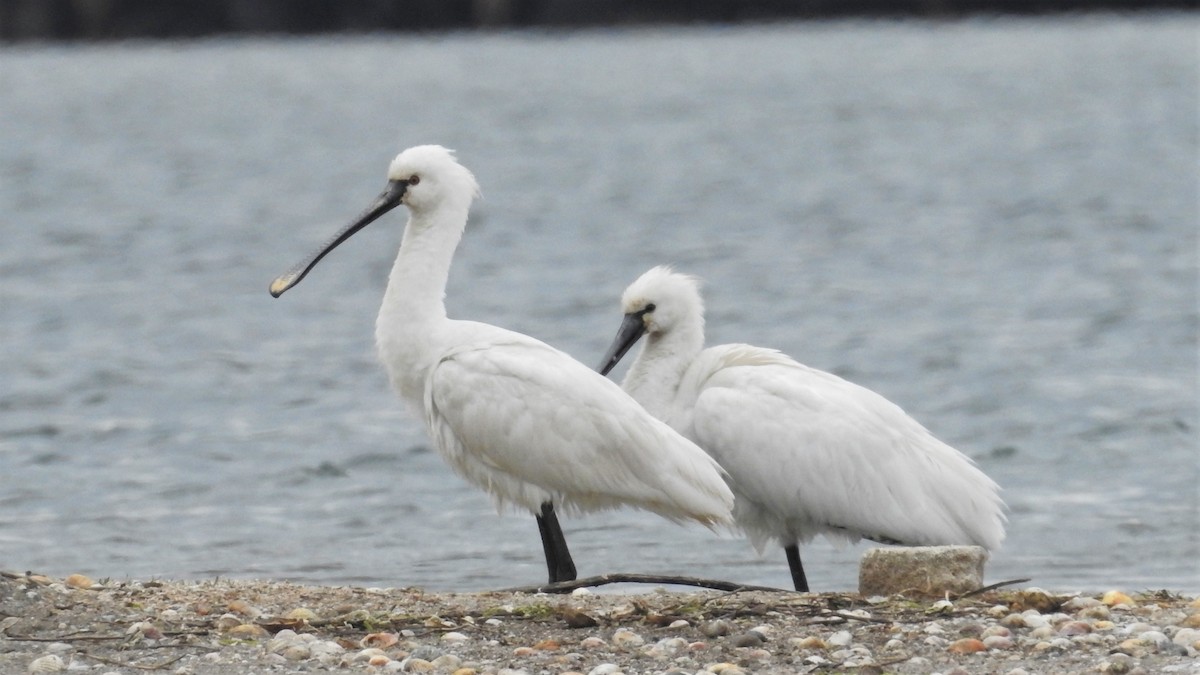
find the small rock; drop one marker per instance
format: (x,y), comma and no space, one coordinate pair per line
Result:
(1186,637)
(454,636)
(748,639)
(1074,628)
(465,671)
(547,645)
(524,651)
(667,647)
(593,643)
(1096,612)
(1042,632)
(1079,602)
(1013,620)
(427,652)
(295,652)
(1035,620)
(51,663)
(1116,663)
(998,642)
(679,623)
(1154,637)
(716,628)
(842,638)
(605,669)
(623,638)
(994,630)
(414,665)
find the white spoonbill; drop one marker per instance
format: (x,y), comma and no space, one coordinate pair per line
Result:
(807,452)
(516,417)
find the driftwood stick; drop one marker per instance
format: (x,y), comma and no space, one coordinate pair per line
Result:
(625,578)
(990,587)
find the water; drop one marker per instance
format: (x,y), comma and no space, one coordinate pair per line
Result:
(993,223)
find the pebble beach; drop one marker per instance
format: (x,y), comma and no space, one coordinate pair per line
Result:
(224,626)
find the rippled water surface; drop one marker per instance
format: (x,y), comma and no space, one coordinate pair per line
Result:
(993,223)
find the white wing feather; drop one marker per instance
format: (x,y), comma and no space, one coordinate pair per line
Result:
(810,453)
(528,423)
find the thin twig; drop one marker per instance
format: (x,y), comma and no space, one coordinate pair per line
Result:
(991,587)
(123,664)
(624,578)
(63,638)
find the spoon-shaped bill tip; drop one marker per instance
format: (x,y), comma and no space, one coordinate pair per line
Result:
(282,283)
(387,200)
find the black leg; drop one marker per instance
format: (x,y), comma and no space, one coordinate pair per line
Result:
(558,558)
(793,556)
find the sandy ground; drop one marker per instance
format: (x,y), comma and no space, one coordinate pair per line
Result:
(49,625)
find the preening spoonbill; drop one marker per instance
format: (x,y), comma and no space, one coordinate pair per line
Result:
(521,420)
(807,452)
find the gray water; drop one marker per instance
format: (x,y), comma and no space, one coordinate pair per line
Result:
(992,223)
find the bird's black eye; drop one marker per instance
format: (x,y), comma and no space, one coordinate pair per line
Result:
(414,180)
(649,308)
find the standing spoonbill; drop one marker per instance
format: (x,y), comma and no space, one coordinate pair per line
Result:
(807,452)
(516,417)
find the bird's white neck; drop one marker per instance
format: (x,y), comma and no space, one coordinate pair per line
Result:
(414,302)
(654,378)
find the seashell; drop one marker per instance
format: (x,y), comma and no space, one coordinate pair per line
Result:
(248,630)
(79,581)
(1113,598)
(380,640)
(245,609)
(301,614)
(966,646)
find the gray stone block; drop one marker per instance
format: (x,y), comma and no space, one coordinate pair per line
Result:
(926,571)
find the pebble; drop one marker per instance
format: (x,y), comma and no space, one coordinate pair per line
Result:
(454,636)
(842,638)
(747,639)
(998,642)
(1074,628)
(716,628)
(593,643)
(624,638)
(1154,637)
(667,647)
(51,663)
(605,669)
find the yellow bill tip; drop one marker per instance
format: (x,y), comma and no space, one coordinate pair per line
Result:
(281,284)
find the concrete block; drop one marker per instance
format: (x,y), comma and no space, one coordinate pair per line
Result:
(925,571)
